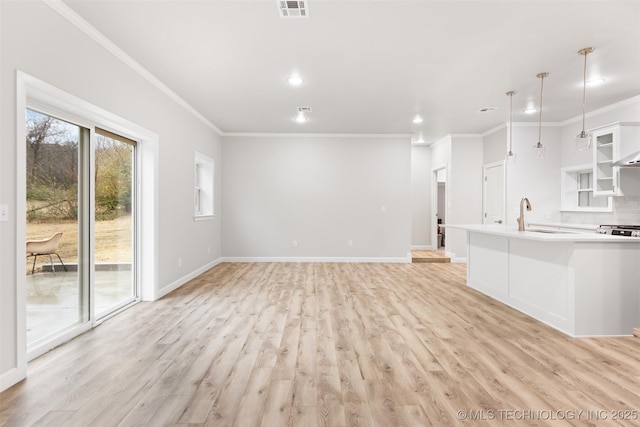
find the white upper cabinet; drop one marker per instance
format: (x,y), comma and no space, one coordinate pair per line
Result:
(610,143)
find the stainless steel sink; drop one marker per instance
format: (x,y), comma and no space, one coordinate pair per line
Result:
(550,231)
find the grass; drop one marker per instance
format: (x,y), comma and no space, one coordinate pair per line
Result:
(112,240)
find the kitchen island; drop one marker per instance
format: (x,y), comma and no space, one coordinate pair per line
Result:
(583,284)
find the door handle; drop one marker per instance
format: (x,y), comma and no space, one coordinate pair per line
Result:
(498,221)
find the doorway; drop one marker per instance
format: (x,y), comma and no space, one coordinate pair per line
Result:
(494,193)
(439,208)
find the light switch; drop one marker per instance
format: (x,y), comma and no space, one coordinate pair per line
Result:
(4,213)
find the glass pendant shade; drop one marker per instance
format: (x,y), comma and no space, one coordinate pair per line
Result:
(583,141)
(538,151)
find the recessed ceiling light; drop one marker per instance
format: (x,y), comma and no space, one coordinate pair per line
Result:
(530,110)
(300,117)
(417,119)
(595,82)
(487,110)
(295,80)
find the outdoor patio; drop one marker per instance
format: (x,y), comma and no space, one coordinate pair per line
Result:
(53,298)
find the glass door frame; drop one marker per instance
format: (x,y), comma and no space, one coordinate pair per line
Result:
(86,229)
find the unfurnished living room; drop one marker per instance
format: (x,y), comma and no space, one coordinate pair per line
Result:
(319,213)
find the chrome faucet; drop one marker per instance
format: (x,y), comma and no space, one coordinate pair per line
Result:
(521,217)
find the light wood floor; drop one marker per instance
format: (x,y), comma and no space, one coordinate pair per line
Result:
(429,256)
(326,344)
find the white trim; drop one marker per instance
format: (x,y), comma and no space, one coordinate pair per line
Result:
(605,109)
(358,260)
(21,230)
(93,33)
(184,279)
(11,377)
(317,135)
(455,260)
(198,218)
(495,129)
(466,135)
(421,247)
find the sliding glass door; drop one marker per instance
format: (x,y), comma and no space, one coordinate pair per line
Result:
(81,226)
(57,298)
(114,284)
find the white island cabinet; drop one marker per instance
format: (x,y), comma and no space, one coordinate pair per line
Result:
(583,284)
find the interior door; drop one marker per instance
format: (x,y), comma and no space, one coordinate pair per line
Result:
(494,193)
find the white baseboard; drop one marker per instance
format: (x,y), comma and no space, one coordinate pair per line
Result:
(458,260)
(320,259)
(184,279)
(421,247)
(12,377)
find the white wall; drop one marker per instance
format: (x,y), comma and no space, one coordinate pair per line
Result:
(319,191)
(464,191)
(495,146)
(63,56)
(420,197)
(538,180)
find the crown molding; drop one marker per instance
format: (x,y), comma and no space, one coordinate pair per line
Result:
(466,135)
(605,109)
(70,15)
(316,135)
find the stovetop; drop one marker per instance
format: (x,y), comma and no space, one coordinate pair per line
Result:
(620,230)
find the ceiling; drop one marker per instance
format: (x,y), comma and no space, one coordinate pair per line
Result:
(370,66)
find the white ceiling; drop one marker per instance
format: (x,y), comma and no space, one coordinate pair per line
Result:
(371,66)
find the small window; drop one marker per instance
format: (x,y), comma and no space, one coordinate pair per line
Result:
(577,188)
(203,187)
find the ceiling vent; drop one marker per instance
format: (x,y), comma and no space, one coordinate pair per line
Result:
(304,109)
(293,9)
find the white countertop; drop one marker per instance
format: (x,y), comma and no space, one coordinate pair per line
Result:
(530,234)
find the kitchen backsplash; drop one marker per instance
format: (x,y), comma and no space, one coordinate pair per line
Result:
(626,211)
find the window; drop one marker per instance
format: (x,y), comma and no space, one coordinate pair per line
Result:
(577,191)
(203,195)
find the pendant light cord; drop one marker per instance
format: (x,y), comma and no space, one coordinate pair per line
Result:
(510,122)
(542,76)
(584,92)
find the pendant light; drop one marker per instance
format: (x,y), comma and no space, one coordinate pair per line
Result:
(538,149)
(511,156)
(583,139)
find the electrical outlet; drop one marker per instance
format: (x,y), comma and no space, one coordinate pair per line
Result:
(383,209)
(350,243)
(295,243)
(179,262)
(209,250)
(4,213)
